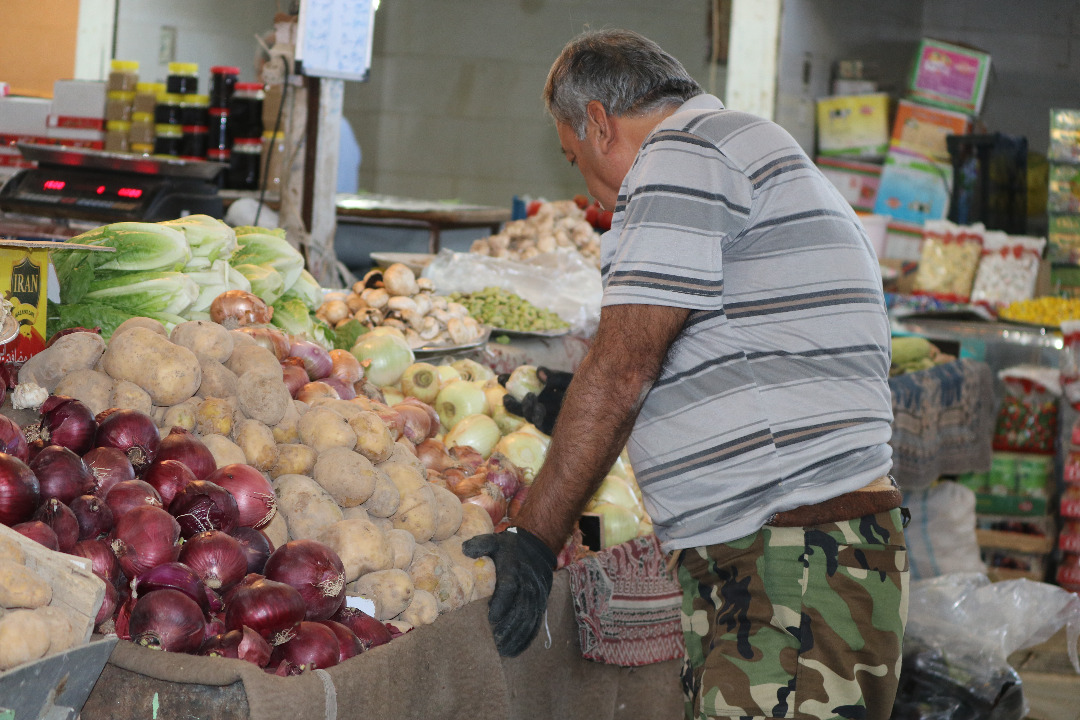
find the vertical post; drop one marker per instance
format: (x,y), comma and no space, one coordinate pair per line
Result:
(753,55)
(325,100)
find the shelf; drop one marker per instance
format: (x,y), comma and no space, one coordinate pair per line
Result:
(977,331)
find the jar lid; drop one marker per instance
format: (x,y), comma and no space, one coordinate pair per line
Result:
(250,86)
(195,100)
(179,68)
(169,130)
(124,66)
(217,154)
(147,88)
(247,143)
(219,112)
(144,148)
(225,70)
(118,126)
(142,117)
(271,135)
(124,95)
(170,99)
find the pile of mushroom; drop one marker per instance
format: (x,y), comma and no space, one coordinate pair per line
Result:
(559,224)
(395,297)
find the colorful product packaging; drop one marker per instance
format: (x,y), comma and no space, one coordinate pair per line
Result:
(949,260)
(950,76)
(1063,189)
(913,190)
(855,126)
(1063,236)
(857,181)
(1008,269)
(922,129)
(1064,136)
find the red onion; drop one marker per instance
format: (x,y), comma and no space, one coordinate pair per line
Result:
(168,477)
(203,505)
(295,378)
(371,632)
(256,545)
(417,423)
(68,331)
(316,390)
(123,614)
(462,485)
(12,439)
(517,501)
(214,626)
(130,494)
(216,557)
(345,367)
(108,605)
(245,644)
(167,620)
(249,580)
(62,520)
(180,444)
(272,339)
(434,416)
(20,491)
(272,609)
(313,647)
(504,474)
(253,493)
(395,631)
(134,433)
(173,576)
(145,537)
(62,474)
(348,644)
(102,561)
(344,390)
(393,420)
(492,500)
(109,467)
(216,604)
(94,516)
(65,421)
(39,532)
(316,359)
(315,570)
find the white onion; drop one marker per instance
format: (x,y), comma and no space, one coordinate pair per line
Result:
(477,431)
(525,450)
(384,355)
(618,523)
(522,381)
(617,491)
(459,399)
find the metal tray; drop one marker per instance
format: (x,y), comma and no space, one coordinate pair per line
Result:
(433,350)
(531,333)
(120,162)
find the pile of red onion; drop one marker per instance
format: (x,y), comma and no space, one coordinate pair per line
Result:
(177,540)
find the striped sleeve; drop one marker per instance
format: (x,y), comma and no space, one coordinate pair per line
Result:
(665,244)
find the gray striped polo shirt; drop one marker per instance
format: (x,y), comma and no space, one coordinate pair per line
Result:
(776,393)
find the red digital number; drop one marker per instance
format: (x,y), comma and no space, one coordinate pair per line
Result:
(54,185)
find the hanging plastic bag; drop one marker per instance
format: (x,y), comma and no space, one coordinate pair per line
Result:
(949,260)
(1007,270)
(563,282)
(1027,418)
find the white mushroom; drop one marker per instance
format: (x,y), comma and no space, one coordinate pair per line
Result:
(399,279)
(430,328)
(413,339)
(426,285)
(459,331)
(439,302)
(395,323)
(334,295)
(375,297)
(401,304)
(335,311)
(456,309)
(355,302)
(423,303)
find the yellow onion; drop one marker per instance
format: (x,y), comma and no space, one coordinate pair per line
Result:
(618,523)
(478,431)
(421,381)
(524,450)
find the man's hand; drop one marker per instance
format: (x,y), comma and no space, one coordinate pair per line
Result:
(523,573)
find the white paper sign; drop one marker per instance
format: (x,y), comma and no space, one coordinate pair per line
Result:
(334,38)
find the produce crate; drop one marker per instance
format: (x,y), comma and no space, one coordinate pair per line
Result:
(55,687)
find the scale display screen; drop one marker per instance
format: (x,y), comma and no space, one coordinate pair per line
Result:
(64,191)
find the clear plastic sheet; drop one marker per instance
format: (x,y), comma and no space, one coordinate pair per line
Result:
(563,282)
(961,630)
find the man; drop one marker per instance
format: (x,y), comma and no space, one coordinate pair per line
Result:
(742,357)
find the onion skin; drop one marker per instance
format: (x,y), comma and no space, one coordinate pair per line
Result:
(103,563)
(469,458)
(174,576)
(313,647)
(270,608)
(108,605)
(514,507)
(132,432)
(39,532)
(167,620)
(245,644)
(436,423)
(348,644)
(238,308)
(504,474)
(254,495)
(370,631)
(109,466)
(143,538)
(64,421)
(316,572)
(61,474)
(181,444)
(216,557)
(20,491)
(62,520)
(130,494)
(492,500)
(94,516)
(12,439)
(270,338)
(203,505)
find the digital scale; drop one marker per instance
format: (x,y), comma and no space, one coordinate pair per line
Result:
(111,187)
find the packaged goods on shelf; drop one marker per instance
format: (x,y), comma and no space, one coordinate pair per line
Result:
(1064,136)
(1063,235)
(855,126)
(857,181)
(1027,417)
(912,189)
(1008,269)
(948,260)
(922,129)
(1063,189)
(950,76)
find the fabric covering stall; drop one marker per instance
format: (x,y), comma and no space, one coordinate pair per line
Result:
(449,669)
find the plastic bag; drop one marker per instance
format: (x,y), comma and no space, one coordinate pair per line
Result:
(961,630)
(1027,418)
(1007,270)
(563,282)
(941,534)
(949,260)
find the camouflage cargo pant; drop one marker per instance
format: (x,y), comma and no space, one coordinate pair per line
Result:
(802,623)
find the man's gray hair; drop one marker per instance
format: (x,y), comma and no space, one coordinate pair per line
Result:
(626,72)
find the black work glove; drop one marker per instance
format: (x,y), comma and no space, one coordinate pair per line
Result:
(541,409)
(523,572)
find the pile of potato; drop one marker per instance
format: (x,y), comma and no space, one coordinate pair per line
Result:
(559,224)
(395,297)
(341,474)
(30,626)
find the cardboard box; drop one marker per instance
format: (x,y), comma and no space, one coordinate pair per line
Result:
(24,116)
(1064,136)
(1063,189)
(1063,239)
(913,190)
(854,126)
(856,181)
(846,86)
(922,129)
(903,242)
(950,76)
(24,273)
(78,104)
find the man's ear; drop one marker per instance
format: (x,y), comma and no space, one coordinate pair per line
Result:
(601,124)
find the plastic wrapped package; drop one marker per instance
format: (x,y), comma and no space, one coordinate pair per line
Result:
(564,282)
(961,630)
(949,260)
(1008,269)
(1027,418)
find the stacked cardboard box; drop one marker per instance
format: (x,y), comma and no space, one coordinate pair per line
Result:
(1063,188)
